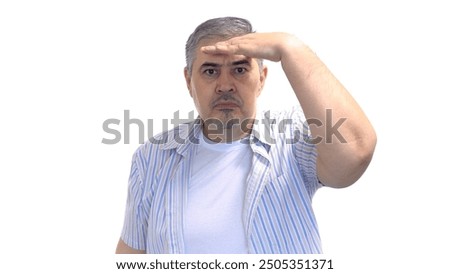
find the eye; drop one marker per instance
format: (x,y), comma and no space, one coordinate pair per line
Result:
(240,70)
(210,72)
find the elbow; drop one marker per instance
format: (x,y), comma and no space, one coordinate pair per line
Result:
(365,149)
(344,171)
(362,157)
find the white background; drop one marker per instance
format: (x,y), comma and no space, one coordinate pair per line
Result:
(67,66)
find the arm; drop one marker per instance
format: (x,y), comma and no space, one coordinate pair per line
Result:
(341,162)
(123,248)
(134,229)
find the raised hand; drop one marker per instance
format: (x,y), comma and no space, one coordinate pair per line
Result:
(270,46)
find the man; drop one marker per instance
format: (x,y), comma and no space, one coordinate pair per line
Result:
(230,182)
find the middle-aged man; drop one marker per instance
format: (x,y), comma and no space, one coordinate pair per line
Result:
(235,182)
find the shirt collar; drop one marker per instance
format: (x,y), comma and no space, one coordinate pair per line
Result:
(182,137)
(185,135)
(262,129)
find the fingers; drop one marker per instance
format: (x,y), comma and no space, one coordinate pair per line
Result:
(240,45)
(250,45)
(233,48)
(221,48)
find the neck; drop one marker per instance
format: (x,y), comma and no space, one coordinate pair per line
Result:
(220,134)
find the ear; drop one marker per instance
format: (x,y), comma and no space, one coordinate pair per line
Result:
(187,77)
(262,79)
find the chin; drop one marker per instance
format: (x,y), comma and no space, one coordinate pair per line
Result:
(221,118)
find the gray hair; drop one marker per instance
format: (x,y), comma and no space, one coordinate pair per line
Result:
(222,27)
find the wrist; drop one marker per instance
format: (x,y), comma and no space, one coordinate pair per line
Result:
(294,48)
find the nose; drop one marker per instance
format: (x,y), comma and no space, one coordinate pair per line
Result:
(225,83)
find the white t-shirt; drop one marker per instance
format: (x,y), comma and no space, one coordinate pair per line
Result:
(213,220)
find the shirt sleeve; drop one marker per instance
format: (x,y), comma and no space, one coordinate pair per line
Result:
(134,232)
(304,150)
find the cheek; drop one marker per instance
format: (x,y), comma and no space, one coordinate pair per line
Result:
(250,89)
(201,100)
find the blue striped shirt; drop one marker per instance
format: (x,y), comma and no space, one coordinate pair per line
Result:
(278,215)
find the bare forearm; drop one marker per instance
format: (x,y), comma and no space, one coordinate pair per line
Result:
(345,138)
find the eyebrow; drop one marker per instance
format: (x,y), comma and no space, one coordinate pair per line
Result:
(235,63)
(208,64)
(241,62)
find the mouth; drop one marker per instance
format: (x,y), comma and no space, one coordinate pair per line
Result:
(225,105)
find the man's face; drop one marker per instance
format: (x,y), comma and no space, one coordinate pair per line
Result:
(225,87)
